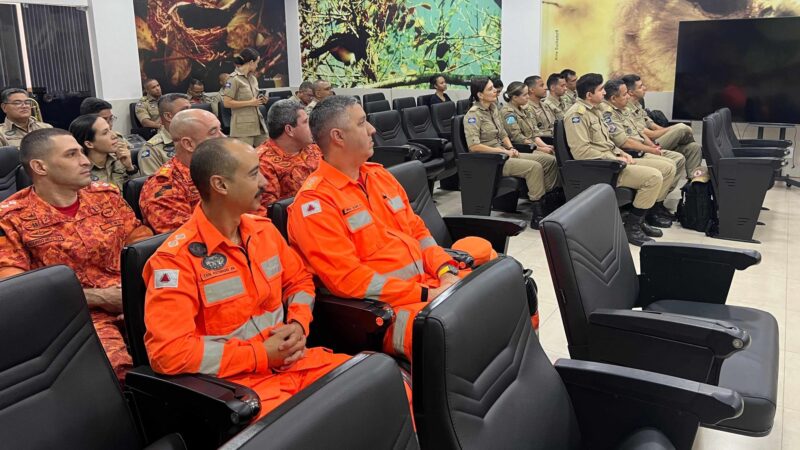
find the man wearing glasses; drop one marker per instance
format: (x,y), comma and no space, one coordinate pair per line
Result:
(19,122)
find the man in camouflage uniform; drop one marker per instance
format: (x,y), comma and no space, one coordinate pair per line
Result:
(17,107)
(160,147)
(66,219)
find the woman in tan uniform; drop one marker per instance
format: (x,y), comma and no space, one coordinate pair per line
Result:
(485,132)
(109,154)
(241,95)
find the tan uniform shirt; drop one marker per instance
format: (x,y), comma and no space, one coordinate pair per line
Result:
(620,124)
(113,172)
(11,134)
(159,150)
(545,118)
(484,126)
(212,98)
(147,108)
(639,115)
(569,98)
(247,121)
(520,123)
(556,106)
(587,136)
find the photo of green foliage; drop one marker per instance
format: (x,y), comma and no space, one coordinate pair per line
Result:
(384,44)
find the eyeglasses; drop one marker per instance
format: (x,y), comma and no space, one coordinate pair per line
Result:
(19,103)
(111,119)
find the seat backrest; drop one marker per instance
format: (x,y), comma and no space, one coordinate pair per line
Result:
(462,106)
(134,257)
(281,94)
(442,117)
(9,171)
(131,192)
(134,120)
(480,377)
(563,153)
(401,103)
(265,108)
(411,175)
(417,122)
(388,128)
(374,97)
(590,261)
(459,139)
(376,106)
(358,98)
(203,106)
(278,213)
(713,141)
(424,100)
(727,126)
(58,388)
(359,405)
(224,115)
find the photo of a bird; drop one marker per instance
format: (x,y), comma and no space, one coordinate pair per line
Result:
(348,48)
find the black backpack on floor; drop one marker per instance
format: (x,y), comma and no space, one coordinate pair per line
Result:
(697,209)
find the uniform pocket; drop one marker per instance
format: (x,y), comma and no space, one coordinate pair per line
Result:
(366,235)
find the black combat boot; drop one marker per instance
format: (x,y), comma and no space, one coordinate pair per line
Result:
(651,231)
(633,227)
(653,219)
(663,211)
(538,214)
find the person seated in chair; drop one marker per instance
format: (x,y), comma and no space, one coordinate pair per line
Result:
(160,148)
(570,96)
(520,121)
(146,109)
(484,131)
(588,138)
(439,83)
(110,155)
(18,108)
(304,94)
(545,116)
(322,90)
(169,197)
(65,218)
(290,155)
(226,296)
(353,225)
(556,87)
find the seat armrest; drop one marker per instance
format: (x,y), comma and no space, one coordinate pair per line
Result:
(710,404)
(782,143)
(499,158)
(393,155)
(496,230)
(446,136)
(705,271)
(770,152)
(722,338)
(436,145)
(615,166)
(773,163)
(524,148)
(349,325)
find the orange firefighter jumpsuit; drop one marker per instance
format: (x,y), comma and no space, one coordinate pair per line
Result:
(34,234)
(363,240)
(211,304)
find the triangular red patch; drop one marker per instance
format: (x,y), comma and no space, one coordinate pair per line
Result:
(164,278)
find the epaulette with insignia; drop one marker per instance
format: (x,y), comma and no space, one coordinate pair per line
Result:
(310,184)
(11,205)
(101,186)
(473,108)
(581,109)
(164,171)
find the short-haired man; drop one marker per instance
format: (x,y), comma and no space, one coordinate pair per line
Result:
(545,116)
(169,197)
(160,148)
(556,87)
(570,96)
(18,107)
(290,155)
(626,135)
(64,218)
(94,105)
(588,138)
(353,224)
(678,137)
(226,296)
(304,94)
(322,90)
(198,95)
(146,109)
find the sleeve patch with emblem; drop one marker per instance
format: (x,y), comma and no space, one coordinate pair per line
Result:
(472,120)
(576,119)
(166,278)
(311,208)
(511,120)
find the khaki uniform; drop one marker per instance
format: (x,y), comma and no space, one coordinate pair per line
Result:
(545,118)
(484,126)
(556,106)
(310,107)
(11,134)
(247,124)
(113,172)
(569,98)
(588,138)
(147,108)
(212,98)
(159,150)
(678,137)
(621,128)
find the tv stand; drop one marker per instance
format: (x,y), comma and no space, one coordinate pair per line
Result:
(782,127)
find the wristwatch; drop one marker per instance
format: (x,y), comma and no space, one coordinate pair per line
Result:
(133,171)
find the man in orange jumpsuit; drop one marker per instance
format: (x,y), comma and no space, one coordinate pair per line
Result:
(169,196)
(352,223)
(66,219)
(218,290)
(290,155)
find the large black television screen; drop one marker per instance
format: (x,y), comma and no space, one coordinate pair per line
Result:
(752,66)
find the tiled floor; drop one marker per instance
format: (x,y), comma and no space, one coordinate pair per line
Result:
(773,285)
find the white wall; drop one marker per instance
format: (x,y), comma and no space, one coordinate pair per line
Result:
(293,42)
(116,57)
(520,51)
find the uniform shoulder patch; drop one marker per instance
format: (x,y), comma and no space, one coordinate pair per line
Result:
(576,119)
(311,208)
(511,119)
(227,85)
(472,120)
(165,278)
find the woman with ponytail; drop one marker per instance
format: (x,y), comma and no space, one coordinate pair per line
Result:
(241,95)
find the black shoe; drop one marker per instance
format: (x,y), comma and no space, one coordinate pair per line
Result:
(633,229)
(663,211)
(651,231)
(655,220)
(538,214)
